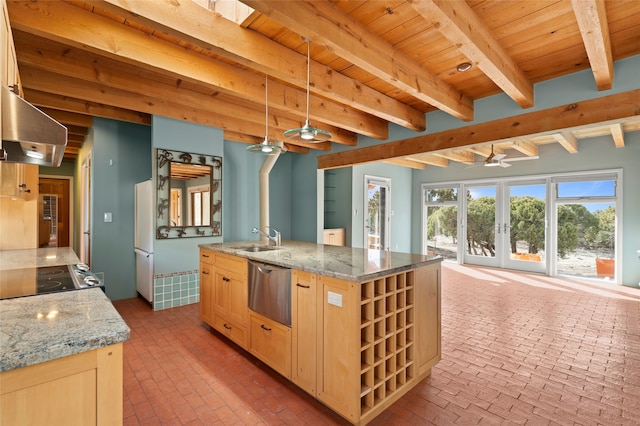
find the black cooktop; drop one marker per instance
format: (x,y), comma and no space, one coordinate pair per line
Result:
(54,278)
(46,279)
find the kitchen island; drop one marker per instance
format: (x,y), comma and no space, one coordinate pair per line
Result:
(365,324)
(60,353)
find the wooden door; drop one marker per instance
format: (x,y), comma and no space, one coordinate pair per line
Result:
(61,189)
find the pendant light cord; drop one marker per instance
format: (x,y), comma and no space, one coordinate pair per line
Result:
(308,75)
(266,107)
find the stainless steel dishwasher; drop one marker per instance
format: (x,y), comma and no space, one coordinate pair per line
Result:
(270,291)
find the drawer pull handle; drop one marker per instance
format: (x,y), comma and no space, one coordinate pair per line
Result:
(205,255)
(265,328)
(303,286)
(227,326)
(225,279)
(205,272)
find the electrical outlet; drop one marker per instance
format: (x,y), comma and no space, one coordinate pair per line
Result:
(334,299)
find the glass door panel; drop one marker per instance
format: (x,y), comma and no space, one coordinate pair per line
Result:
(481,225)
(376,224)
(525,227)
(441,208)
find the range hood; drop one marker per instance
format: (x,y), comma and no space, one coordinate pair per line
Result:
(29,135)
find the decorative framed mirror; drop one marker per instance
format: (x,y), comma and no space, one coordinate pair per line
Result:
(189,195)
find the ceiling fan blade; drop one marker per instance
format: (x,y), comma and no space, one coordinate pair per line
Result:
(533,157)
(504,164)
(499,157)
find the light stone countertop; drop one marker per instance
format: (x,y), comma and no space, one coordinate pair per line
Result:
(41,328)
(347,263)
(29,258)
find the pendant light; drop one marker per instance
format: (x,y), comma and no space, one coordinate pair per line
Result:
(266,147)
(307,133)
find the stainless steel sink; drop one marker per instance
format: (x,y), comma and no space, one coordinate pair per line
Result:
(255,249)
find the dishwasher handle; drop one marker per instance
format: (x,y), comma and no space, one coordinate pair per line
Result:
(267,268)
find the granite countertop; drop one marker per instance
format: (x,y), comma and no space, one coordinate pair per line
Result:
(348,263)
(41,328)
(29,258)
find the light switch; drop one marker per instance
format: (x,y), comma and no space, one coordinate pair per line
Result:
(108,217)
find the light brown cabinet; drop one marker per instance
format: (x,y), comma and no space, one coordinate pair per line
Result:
(85,389)
(223,295)
(207,259)
(334,237)
(9,66)
(18,182)
(304,330)
(19,212)
(270,341)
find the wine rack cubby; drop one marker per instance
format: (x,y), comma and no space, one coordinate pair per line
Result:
(387,350)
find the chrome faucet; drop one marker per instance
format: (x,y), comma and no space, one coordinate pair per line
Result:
(276,239)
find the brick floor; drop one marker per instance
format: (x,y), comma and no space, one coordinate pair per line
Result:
(517,349)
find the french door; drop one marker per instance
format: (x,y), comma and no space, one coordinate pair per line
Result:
(377,207)
(505,225)
(481,225)
(525,225)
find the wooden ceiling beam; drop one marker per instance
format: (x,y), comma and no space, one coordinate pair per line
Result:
(66,106)
(404,162)
(430,159)
(528,148)
(568,141)
(72,25)
(464,29)
(188,21)
(619,107)
(594,28)
(227,116)
(83,66)
(457,155)
(618,135)
(322,22)
(80,120)
(485,150)
(75,141)
(76,130)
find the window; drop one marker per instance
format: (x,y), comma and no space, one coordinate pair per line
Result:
(441,222)
(586,222)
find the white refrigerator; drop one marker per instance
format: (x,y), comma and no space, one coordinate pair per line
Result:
(143,241)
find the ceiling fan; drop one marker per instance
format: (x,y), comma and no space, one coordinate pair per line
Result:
(501,160)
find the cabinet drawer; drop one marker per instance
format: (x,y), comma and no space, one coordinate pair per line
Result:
(231,330)
(207,256)
(234,264)
(271,342)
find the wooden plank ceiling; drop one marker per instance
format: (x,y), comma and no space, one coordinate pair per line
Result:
(372,63)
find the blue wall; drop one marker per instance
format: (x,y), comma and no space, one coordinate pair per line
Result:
(120,159)
(181,254)
(241,193)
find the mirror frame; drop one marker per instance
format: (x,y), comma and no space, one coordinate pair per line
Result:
(164,230)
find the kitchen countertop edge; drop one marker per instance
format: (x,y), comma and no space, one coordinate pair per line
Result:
(42,328)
